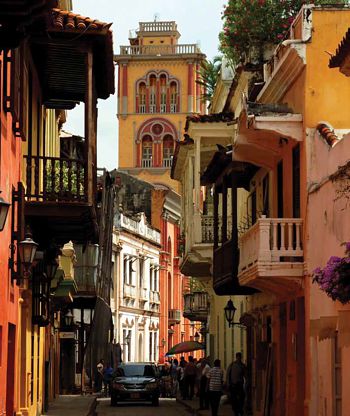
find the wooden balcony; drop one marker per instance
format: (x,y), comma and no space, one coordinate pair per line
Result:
(271,255)
(59,199)
(196,306)
(198,254)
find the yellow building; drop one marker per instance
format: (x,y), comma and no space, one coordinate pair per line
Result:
(156,89)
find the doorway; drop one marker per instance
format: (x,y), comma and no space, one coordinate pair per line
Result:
(10,369)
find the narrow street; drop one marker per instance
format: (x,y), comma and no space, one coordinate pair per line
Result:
(167,406)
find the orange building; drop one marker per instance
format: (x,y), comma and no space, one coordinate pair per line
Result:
(156,89)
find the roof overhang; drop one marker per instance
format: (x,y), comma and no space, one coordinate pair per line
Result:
(260,139)
(61,56)
(282,70)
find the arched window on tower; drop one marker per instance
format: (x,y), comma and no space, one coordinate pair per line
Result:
(152,94)
(163,88)
(174,97)
(147,151)
(168,150)
(142,98)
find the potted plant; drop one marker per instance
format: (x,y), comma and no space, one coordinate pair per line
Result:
(334,278)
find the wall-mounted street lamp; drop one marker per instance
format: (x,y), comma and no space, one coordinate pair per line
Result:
(196,337)
(4,209)
(163,341)
(230,311)
(27,249)
(26,253)
(68,318)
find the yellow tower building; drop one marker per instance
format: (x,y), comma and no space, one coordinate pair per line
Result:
(156,90)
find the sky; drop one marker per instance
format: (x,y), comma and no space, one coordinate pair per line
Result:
(198,21)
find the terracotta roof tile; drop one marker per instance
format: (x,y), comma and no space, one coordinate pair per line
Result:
(342,51)
(209,118)
(64,20)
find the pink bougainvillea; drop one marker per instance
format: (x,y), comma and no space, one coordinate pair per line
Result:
(334,278)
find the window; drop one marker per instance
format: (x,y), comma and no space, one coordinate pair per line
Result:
(173,97)
(151,346)
(151,273)
(296,181)
(168,150)
(266,209)
(155,279)
(130,282)
(125,269)
(152,94)
(141,266)
(142,97)
(147,151)
(163,94)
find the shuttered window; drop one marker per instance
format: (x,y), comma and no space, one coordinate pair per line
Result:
(296,182)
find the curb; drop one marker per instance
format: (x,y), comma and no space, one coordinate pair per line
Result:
(92,408)
(188,406)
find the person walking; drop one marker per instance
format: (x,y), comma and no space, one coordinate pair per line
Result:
(173,373)
(107,378)
(215,386)
(235,378)
(99,375)
(203,381)
(181,379)
(190,377)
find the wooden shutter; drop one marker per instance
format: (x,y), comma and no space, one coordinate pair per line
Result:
(296,181)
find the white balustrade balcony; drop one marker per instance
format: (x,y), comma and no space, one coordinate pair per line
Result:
(271,249)
(154,296)
(143,293)
(129,291)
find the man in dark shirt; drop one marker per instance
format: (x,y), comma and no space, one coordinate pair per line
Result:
(190,377)
(235,378)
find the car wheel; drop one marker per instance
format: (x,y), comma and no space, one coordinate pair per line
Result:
(114,401)
(155,401)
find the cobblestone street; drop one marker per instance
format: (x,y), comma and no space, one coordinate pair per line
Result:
(168,407)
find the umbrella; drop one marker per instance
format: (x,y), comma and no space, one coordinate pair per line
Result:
(185,346)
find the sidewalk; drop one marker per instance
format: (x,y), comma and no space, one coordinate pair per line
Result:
(70,405)
(193,406)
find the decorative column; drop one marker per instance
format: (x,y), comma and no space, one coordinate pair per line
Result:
(190,88)
(198,91)
(197,191)
(125,90)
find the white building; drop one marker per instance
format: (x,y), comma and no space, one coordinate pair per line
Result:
(135,298)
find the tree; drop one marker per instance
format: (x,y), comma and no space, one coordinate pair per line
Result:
(251,24)
(208,72)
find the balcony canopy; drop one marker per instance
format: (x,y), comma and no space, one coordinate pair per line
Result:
(221,162)
(262,131)
(60,50)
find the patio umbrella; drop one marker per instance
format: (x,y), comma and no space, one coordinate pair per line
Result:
(186,346)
